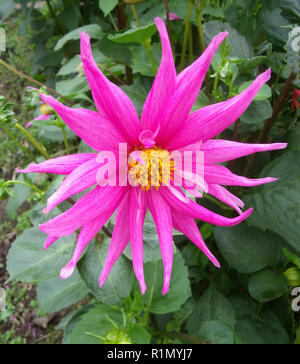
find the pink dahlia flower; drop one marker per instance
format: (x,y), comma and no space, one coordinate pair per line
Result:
(46,112)
(166,125)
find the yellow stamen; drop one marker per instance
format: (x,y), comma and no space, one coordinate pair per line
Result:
(157,171)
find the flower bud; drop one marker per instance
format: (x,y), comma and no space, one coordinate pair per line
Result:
(293,275)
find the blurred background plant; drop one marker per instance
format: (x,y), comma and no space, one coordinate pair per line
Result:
(247,301)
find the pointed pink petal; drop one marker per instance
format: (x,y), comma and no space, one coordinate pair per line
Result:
(215,174)
(211,120)
(87,233)
(50,240)
(61,165)
(161,213)
(217,150)
(137,214)
(119,240)
(164,83)
(88,207)
(188,227)
(225,196)
(108,97)
(79,180)
(196,211)
(43,117)
(98,132)
(179,105)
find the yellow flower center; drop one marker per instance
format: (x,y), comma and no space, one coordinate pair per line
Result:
(150,168)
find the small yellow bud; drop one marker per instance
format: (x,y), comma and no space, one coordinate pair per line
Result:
(293,275)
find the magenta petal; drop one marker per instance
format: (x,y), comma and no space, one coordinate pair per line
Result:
(87,233)
(98,132)
(179,105)
(164,83)
(119,240)
(211,120)
(188,227)
(108,97)
(94,203)
(196,211)
(215,174)
(136,221)
(79,180)
(50,241)
(225,196)
(62,165)
(161,213)
(218,151)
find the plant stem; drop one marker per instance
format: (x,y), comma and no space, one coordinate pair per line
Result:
(186,34)
(135,15)
(63,129)
(150,54)
(113,21)
(25,150)
(12,182)
(33,141)
(111,73)
(191,51)
(52,12)
(216,83)
(200,28)
(168,21)
(32,80)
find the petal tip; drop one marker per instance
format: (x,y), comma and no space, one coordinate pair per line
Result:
(67,271)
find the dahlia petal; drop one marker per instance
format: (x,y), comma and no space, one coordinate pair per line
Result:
(98,132)
(79,180)
(50,241)
(189,82)
(43,117)
(119,240)
(218,151)
(188,227)
(225,196)
(215,174)
(136,221)
(108,97)
(196,211)
(164,83)
(61,165)
(87,233)
(211,120)
(88,207)
(161,213)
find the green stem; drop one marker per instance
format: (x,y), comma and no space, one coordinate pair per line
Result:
(113,22)
(148,49)
(135,15)
(12,182)
(186,34)
(191,51)
(25,150)
(33,141)
(63,129)
(52,12)
(32,80)
(216,83)
(199,24)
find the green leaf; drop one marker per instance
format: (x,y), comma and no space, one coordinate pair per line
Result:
(248,249)
(115,51)
(211,306)
(267,285)
(216,332)
(118,284)
(257,112)
(107,5)
(264,93)
(139,335)
(7,7)
(94,31)
(138,92)
(20,194)
(179,292)
(55,294)
(93,322)
(28,262)
(138,35)
(276,206)
(141,62)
